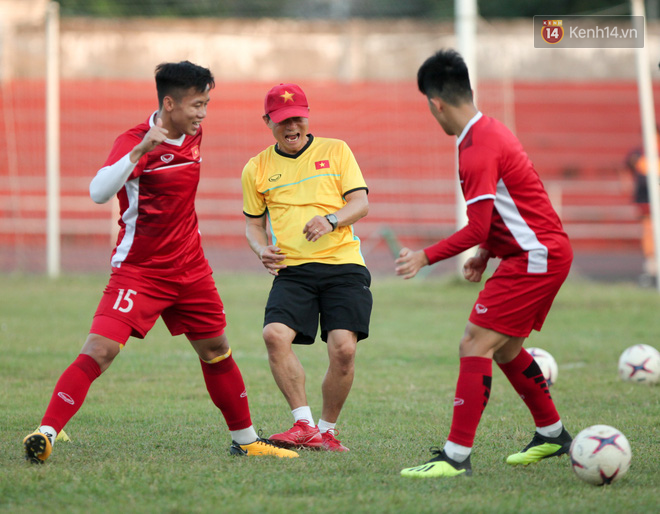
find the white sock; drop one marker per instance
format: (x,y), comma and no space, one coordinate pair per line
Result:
(50,432)
(324,426)
(456,451)
(551,430)
(303,413)
(244,435)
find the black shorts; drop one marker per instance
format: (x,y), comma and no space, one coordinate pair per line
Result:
(337,293)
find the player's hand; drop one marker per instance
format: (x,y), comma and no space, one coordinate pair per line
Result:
(474,268)
(155,136)
(316,227)
(410,262)
(271,258)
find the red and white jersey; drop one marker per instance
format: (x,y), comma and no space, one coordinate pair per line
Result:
(494,166)
(158,221)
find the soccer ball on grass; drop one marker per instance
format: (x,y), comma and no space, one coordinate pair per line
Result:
(600,455)
(640,363)
(547,363)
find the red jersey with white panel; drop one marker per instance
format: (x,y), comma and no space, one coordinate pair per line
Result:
(495,170)
(493,164)
(159,228)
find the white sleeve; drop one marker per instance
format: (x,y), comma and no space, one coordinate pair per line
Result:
(110,179)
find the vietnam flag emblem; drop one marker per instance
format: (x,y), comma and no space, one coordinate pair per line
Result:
(195,152)
(322,165)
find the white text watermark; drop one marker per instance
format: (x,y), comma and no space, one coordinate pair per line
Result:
(557,31)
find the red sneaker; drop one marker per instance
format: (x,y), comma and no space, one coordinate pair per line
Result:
(301,435)
(331,443)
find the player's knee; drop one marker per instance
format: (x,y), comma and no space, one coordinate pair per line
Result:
(211,348)
(342,353)
(101,349)
(471,346)
(342,362)
(277,337)
(509,351)
(465,347)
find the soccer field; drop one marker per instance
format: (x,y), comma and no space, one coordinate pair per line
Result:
(148,438)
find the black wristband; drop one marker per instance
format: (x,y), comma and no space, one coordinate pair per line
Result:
(332,219)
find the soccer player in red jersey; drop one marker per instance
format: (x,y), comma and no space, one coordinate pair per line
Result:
(158,265)
(509,217)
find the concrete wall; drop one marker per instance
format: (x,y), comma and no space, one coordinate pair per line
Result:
(267,50)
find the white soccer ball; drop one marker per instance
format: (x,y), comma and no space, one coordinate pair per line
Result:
(600,455)
(640,363)
(547,363)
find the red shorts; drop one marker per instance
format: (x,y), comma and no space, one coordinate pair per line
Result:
(189,304)
(514,302)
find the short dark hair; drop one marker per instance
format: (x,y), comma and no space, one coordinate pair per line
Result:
(176,78)
(445,75)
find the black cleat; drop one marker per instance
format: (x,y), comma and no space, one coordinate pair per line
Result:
(541,448)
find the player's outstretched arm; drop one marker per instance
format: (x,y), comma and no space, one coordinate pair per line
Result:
(410,262)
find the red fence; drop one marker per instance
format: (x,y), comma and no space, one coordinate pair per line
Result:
(577,134)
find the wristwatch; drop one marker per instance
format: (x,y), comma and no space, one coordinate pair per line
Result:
(332,219)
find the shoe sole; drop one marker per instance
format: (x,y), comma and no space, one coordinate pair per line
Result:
(35,446)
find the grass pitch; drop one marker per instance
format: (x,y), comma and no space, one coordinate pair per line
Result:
(148,439)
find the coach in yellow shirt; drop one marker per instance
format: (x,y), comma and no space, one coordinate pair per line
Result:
(301,197)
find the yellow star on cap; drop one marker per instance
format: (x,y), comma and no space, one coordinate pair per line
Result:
(287,96)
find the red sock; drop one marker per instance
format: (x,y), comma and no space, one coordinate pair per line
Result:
(70,391)
(227,389)
(472,393)
(527,379)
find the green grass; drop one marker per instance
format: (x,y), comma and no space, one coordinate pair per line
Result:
(148,438)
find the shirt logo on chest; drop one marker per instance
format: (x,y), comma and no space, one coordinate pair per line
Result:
(167,158)
(322,165)
(195,152)
(275,178)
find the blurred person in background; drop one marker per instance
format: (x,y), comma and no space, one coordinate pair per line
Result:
(510,217)
(158,266)
(635,162)
(310,190)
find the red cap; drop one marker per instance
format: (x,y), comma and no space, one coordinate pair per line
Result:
(286,101)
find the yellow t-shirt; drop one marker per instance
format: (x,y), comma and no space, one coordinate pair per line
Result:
(291,190)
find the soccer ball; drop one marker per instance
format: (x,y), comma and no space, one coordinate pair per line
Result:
(640,363)
(547,363)
(600,455)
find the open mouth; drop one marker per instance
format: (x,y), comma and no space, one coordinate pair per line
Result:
(292,138)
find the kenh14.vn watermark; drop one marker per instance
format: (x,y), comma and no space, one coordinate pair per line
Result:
(558,31)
